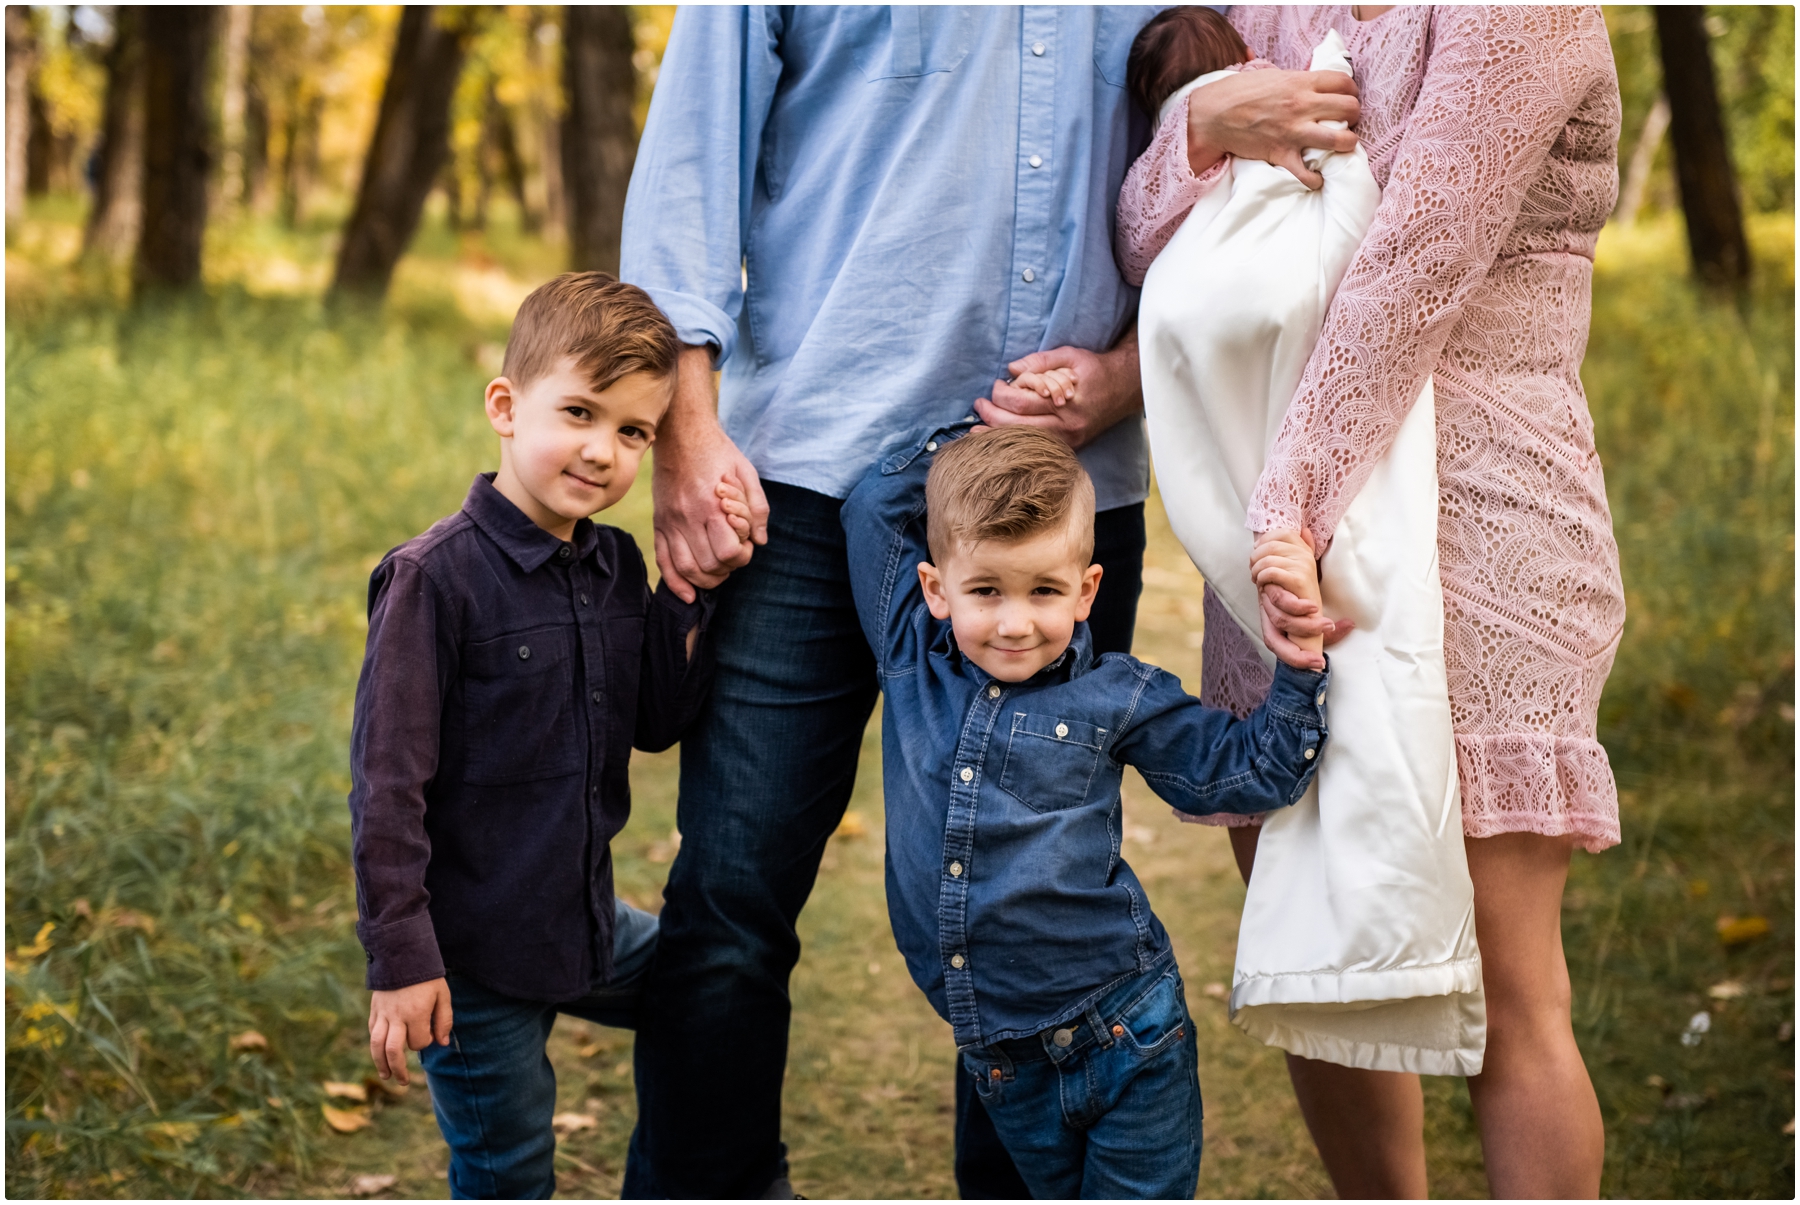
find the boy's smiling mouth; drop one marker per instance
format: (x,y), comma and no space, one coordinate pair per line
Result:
(579,479)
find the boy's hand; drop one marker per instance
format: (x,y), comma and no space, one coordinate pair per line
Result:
(1282,563)
(407,1018)
(1055,385)
(736,505)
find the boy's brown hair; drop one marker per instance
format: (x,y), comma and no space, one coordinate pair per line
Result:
(612,329)
(1179,44)
(1007,484)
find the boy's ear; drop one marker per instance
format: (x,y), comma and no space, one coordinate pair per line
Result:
(932,583)
(1090,588)
(500,402)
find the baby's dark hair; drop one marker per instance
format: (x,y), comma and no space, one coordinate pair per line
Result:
(1179,44)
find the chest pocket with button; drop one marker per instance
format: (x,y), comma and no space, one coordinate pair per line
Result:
(519,715)
(1050,762)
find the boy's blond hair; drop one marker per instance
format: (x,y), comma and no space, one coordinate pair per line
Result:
(612,330)
(1007,484)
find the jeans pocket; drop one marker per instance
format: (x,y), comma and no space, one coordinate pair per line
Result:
(1157,1020)
(989,1077)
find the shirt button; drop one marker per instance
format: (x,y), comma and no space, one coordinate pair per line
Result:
(1037,48)
(1029,275)
(1063,1037)
(1310,754)
(564,553)
(595,696)
(956,870)
(957,960)
(585,600)
(932,446)
(524,652)
(1062,730)
(1036,161)
(1321,699)
(967,774)
(993,692)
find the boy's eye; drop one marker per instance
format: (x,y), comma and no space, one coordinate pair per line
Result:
(1046,590)
(578,412)
(985,592)
(630,432)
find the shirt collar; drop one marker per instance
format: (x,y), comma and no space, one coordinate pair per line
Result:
(518,537)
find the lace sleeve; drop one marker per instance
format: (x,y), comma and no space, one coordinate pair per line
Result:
(1499,87)
(1158,192)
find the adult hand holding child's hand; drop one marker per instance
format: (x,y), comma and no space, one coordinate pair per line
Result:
(697,543)
(1074,394)
(1285,569)
(407,1018)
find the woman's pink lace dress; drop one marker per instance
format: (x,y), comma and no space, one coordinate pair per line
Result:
(1493,132)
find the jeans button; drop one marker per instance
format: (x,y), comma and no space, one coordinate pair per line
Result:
(1063,1037)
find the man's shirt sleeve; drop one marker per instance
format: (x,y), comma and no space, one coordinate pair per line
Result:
(1204,761)
(689,203)
(410,659)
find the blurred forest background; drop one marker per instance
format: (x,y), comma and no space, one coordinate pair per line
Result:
(259,264)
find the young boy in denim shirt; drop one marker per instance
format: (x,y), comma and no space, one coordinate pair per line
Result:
(1003,744)
(515,656)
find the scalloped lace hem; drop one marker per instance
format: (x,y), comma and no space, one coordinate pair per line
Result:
(1554,786)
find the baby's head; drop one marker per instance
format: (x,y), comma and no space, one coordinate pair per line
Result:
(589,371)
(1179,44)
(1010,520)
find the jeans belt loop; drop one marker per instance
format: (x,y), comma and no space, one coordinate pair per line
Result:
(1101,1033)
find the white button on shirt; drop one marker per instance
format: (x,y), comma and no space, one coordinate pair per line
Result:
(993,692)
(956,870)
(967,774)
(1037,48)
(1030,276)
(1062,730)
(957,960)
(1036,161)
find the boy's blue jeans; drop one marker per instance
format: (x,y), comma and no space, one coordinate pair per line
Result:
(1107,1106)
(493,1088)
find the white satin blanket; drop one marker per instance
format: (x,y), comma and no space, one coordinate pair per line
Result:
(1357,944)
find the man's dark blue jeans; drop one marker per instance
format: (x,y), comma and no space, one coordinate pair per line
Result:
(492,1087)
(765,777)
(1105,1108)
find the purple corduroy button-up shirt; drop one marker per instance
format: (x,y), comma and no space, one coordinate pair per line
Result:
(507,677)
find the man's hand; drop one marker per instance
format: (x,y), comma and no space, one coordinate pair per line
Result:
(696,542)
(1272,116)
(1105,390)
(1282,562)
(408,1018)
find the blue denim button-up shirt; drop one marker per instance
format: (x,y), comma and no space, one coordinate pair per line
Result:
(1006,891)
(871,211)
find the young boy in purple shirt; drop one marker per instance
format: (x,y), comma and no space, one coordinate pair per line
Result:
(515,656)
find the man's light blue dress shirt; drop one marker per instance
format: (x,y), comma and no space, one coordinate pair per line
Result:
(870,212)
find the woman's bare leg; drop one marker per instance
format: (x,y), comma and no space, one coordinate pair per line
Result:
(1541,1133)
(1369,1126)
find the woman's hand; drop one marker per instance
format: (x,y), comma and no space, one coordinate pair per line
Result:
(1272,116)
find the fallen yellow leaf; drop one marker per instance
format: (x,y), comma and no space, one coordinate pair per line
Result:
(852,825)
(368,1186)
(40,944)
(1730,989)
(1735,931)
(249,1040)
(346,1121)
(355,1092)
(590,1050)
(569,1123)
(385,1088)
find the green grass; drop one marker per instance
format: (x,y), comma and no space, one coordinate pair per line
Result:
(195,494)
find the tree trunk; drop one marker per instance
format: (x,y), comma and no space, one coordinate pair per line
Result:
(505,143)
(545,135)
(231,105)
(1643,158)
(178,43)
(412,139)
(599,140)
(37,146)
(112,227)
(21,49)
(256,148)
(1709,194)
